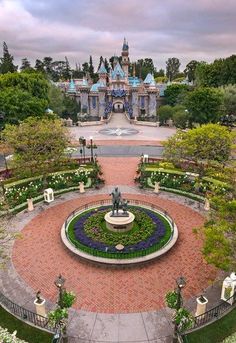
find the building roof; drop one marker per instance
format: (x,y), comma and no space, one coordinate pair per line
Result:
(102,69)
(97,85)
(133,81)
(149,80)
(118,71)
(71,88)
(85,82)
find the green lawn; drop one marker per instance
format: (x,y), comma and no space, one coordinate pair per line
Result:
(24,331)
(216,332)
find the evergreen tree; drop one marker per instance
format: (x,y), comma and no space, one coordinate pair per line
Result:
(91,67)
(100,62)
(6,64)
(77,73)
(85,67)
(25,64)
(67,70)
(106,64)
(39,66)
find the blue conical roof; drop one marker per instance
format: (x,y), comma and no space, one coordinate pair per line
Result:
(149,80)
(85,82)
(118,71)
(72,88)
(102,69)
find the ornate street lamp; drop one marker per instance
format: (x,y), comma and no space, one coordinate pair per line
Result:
(82,142)
(91,146)
(59,283)
(180,282)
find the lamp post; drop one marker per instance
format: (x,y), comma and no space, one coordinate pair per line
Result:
(180,282)
(82,142)
(91,146)
(59,283)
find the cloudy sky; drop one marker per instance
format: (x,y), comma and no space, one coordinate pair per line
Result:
(187,29)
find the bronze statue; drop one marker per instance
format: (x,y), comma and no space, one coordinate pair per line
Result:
(116,199)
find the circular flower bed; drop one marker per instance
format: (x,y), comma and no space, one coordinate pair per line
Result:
(88,232)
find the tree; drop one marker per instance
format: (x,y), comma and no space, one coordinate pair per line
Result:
(160,72)
(204,145)
(56,100)
(38,145)
(229,99)
(164,113)
(190,70)
(100,62)
(180,117)
(19,104)
(6,64)
(47,62)
(22,95)
(172,67)
(106,64)
(67,70)
(91,67)
(204,105)
(219,73)
(71,108)
(219,247)
(25,64)
(145,66)
(39,66)
(175,94)
(77,73)
(85,68)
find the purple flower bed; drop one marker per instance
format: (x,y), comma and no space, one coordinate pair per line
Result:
(153,239)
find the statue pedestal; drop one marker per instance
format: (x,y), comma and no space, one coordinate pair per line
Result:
(119,223)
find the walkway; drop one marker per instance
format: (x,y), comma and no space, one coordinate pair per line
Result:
(118,120)
(113,305)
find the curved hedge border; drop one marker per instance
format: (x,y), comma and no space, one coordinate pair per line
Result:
(40,198)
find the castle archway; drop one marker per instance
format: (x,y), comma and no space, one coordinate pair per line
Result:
(118,106)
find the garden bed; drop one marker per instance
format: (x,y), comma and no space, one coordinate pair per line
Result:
(151,232)
(16,193)
(181,182)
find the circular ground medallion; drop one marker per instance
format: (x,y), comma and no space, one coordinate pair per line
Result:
(114,131)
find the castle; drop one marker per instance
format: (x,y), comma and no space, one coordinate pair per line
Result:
(116,91)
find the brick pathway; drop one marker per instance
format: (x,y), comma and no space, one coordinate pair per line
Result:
(118,170)
(40,256)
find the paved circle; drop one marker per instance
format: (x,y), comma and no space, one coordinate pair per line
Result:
(40,256)
(113,131)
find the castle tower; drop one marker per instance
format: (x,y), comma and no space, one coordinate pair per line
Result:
(102,72)
(125,57)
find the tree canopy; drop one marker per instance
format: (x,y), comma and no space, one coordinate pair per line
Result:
(220,72)
(219,247)
(204,145)
(23,95)
(172,67)
(204,105)
(175,94)
(38,144)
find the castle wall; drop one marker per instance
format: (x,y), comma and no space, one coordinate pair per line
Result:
(102,103)
(152,108)
(84,100)
(93,105)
